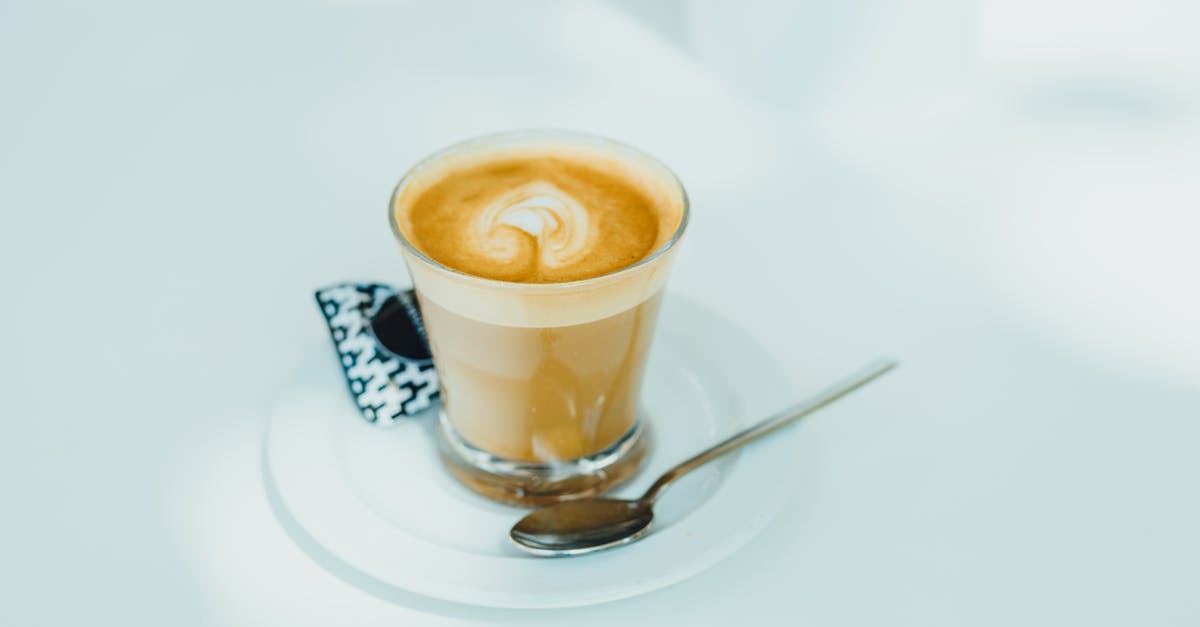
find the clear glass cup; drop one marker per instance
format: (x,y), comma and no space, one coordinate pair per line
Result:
(541,382)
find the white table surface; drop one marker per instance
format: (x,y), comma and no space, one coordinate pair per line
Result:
(1022,234)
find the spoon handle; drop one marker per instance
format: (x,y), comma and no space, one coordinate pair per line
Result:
(784,417)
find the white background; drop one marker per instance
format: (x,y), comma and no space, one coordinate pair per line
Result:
(1004,195)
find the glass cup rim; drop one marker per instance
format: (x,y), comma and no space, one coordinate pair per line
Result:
(676,235)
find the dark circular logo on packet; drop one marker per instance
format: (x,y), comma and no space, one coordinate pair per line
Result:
(398,332)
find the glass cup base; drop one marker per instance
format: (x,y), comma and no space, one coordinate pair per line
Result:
(534,484)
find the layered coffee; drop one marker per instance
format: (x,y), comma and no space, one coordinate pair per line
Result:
(539,261)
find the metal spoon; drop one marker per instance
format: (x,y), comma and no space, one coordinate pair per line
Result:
(587,525)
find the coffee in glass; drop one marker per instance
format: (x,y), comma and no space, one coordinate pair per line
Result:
(539,260)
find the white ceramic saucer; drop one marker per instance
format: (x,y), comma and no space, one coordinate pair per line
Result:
(379,501)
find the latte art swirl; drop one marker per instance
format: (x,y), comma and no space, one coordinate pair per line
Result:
(535,224)
(536,217)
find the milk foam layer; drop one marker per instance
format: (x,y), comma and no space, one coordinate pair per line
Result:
(539,229)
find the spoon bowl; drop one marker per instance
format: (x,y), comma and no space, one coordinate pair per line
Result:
(582,526)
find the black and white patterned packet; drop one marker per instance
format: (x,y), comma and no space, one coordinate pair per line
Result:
(380,342)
